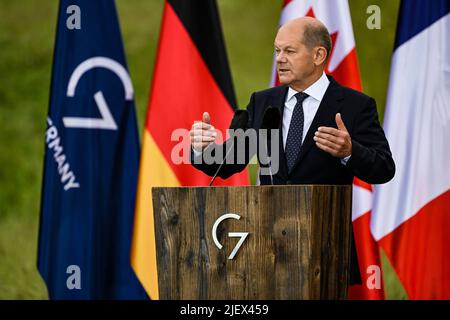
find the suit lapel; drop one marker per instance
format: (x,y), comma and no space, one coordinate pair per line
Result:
(325,116)
(277,100)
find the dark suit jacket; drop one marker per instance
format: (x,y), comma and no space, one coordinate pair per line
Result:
(371,159)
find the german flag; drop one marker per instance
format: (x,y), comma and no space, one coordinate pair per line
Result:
(191,76)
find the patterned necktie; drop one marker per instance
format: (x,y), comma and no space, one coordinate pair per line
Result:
(295,134)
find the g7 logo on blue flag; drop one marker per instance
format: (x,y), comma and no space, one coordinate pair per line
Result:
(91,160)
(106,121)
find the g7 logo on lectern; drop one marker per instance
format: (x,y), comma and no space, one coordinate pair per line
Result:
(242,235)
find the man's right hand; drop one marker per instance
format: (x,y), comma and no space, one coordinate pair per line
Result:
(202,133)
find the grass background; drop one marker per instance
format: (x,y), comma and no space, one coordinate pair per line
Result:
(27,33)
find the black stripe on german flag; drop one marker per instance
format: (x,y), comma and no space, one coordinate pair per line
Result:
(202,22)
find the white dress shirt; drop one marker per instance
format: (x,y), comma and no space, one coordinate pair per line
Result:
(310,105)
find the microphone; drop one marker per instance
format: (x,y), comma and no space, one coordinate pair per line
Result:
(239,121)
(271,120)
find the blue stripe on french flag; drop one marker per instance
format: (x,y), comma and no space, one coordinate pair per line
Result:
(417,15)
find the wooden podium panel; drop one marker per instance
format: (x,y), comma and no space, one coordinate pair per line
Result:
(297,248)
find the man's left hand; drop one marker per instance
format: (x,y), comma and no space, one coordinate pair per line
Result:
(336,142)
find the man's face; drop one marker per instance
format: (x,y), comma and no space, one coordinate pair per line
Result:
(294,60)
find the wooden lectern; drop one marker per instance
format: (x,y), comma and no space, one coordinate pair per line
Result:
(297,244)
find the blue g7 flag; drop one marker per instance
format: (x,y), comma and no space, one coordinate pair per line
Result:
(91,160)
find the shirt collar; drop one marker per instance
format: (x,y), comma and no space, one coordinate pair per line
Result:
(316,90)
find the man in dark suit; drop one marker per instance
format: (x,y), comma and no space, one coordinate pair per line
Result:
(329,133)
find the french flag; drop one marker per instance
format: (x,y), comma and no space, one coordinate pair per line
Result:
(411,214)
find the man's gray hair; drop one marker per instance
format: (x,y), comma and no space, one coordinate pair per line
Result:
(317,35)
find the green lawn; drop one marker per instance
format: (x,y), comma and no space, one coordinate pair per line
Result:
(27,32)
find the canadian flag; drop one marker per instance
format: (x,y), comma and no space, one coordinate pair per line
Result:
(411,219)
(343,66)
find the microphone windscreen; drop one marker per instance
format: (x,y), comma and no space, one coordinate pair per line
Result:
(240,120)
(271,118)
